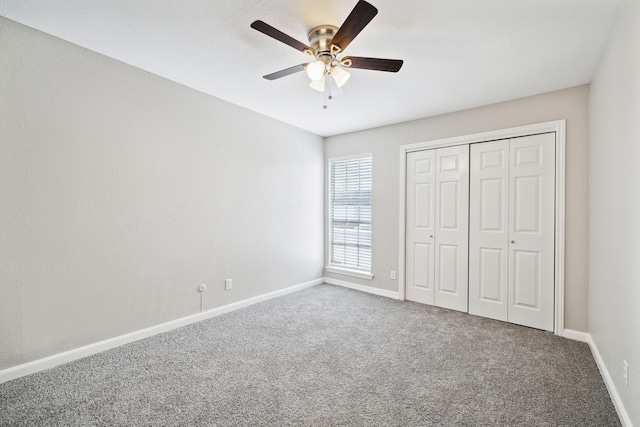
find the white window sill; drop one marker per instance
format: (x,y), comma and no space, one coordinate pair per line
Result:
(348,272)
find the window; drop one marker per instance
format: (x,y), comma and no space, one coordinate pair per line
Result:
(350,216)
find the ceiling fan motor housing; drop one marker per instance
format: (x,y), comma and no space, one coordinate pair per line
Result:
(320,40)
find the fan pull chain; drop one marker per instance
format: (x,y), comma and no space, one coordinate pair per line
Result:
(327,96)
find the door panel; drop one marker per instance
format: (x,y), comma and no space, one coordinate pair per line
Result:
(526,266)
(488,229)
(422,270)
(527,155)
(420,189)
(449,205)
(532,229)
(492,286)
(423,201)
(492,202)
(452,227)
(526,207)
(448,268)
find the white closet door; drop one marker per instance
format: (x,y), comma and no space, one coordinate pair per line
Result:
(452,228)
(489,229)
(531,234)
(420,226)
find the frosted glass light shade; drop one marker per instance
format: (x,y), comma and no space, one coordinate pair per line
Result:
(318,84)
(315,70)
(340,76)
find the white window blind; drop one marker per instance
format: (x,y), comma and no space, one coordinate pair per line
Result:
(350,213)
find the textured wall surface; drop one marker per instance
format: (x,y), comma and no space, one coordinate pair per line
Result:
(383,143)
(121,191)
(614,206)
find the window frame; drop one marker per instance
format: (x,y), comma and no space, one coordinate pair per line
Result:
(340,269)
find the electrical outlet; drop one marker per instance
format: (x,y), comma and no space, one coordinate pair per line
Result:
(228,284)
(393,275)
(625,372)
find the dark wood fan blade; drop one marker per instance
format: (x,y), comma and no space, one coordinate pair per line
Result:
(285,72)
(359,17)
(378,64)
(280,36)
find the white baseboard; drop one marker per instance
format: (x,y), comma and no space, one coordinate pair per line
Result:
(608,381)
(88,350)
(575,335)
(362,288)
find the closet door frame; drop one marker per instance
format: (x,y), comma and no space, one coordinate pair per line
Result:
(559,128)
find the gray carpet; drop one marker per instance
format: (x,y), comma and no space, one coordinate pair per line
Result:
(325,356)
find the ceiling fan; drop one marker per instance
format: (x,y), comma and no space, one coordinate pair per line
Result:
(327,42)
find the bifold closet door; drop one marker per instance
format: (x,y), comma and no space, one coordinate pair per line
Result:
(489,229)
(421,182)
(437,237)
(512,230)
(452,228)
(532,231)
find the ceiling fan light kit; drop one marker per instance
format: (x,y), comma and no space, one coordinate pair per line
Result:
(339,75)
(326,42)
(316,70)
(318,85)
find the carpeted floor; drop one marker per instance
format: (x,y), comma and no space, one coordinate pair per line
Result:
(326,356)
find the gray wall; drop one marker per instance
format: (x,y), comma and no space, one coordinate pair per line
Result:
(614,206)
(120,192)
(383,143)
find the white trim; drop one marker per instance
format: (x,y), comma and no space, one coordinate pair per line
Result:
(576,335)
(362,288)
(350,157)
(559,127)
(88,350)
(487,136)
(608,381)
(349,272)
(560,130)
(402,231)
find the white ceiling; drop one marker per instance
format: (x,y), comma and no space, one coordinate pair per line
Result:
(457,54)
